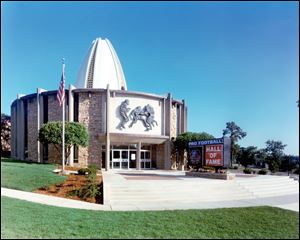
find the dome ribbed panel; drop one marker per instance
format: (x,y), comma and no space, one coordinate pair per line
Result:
(101,67)
(91,69)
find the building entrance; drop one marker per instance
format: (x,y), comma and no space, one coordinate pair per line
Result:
(124,158)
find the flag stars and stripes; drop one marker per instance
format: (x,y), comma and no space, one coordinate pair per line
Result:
(61,91)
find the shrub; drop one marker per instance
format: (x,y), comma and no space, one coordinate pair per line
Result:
(247,170)
(208,168)
(91,189)
(262,171)
(92,169)
(296,171)
(84,171)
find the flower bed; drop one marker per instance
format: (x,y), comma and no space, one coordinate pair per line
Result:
(67,188)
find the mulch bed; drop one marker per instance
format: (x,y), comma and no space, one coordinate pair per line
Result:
(73,182)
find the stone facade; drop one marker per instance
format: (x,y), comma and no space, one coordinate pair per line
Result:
(90,114)
(90,110)
(32,129)
(173,127)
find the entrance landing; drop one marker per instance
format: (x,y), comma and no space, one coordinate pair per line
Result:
(148,176)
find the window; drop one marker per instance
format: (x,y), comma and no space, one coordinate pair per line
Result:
(45,109)
(45,152)
(75,154)
(76,107)
(124,154)
(116,155)
(103,159)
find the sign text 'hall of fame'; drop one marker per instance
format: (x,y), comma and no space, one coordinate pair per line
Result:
(214,155)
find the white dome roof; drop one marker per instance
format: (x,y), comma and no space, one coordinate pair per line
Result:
(100,67)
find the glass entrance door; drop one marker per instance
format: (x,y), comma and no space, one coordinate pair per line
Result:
(145,159)
(120,159)
(124,159)
(132,159)
(116,159)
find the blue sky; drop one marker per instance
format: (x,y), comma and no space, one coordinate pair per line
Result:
(230,61)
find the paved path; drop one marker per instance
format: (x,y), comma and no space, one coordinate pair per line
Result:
(166,190)
(51,200)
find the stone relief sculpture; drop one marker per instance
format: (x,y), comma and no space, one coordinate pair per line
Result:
(136,114)
(123,109)
(146,115)
(149,113)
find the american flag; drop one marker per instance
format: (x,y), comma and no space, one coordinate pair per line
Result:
(61,91)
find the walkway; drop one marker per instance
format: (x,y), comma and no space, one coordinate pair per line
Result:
(171,190)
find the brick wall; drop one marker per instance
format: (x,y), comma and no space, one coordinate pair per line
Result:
(32,129)
(54,114)
(160,153)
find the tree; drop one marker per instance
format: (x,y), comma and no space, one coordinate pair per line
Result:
(275,153)
(287,163)
(75,135)
(182,140)
(235,134)
(5,134)
(261,156)
(247,156)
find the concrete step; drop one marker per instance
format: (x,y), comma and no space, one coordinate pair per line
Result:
(172,184)
(174,194)
(164,187)
(269,182)
(266,181)
(174,200)
(177,191)
(272,192)
(271,187)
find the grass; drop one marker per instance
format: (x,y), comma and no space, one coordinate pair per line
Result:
(27,176)
(22,219)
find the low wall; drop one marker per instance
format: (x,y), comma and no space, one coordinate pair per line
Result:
(223,176)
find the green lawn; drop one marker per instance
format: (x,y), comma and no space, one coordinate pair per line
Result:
(21,219)
(27,176)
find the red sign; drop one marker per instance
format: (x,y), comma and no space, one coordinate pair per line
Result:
(214,155)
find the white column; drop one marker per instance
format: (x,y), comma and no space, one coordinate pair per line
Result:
(20,128)
(138,157)
(39,124)
(71,119)
(107,149)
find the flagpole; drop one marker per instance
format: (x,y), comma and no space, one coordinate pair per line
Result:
(63,123)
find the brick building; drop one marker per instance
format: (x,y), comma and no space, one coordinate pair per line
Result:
(127,130)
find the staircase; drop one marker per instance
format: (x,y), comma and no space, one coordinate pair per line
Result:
(269,186)
(177,191)
(185,193)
